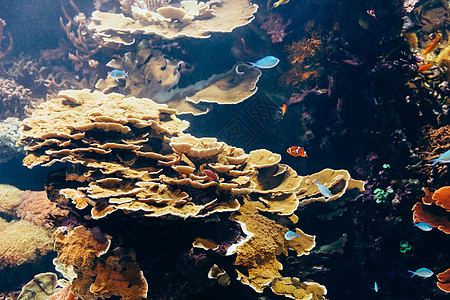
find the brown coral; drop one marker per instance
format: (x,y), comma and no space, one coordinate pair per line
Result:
(15,100)
(131,155)
(99,274)
(218,18)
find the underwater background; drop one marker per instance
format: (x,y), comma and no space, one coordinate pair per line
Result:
(157,149)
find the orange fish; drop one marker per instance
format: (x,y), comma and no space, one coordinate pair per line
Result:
(93,63)
(432,46)
(423,68)
(283,109)
(297,151)
(371,13)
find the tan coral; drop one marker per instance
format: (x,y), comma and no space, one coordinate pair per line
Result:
(294,288)
(155,169)
(229,15)
(99,274)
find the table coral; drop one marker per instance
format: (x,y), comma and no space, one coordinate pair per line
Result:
(226,16)
(131,155)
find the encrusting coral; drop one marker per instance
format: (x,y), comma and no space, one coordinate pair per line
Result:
(99,274)
(131,155)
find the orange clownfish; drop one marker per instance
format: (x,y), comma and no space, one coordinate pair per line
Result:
(371,13)
(297,151)
(283,109)
(93,63)
(432,46)
(423,68)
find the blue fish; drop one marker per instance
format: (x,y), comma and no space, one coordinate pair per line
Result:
(422,272)
(376,288)
(290,235)
(266,62)
(443,159)
(423,226)
(118,74)
(323,189)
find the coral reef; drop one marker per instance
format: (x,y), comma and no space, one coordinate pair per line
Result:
(99,274)
(16,101)
(208,17)
(25,233)
(130,155)
(305,56)
(275,27)
(438,216)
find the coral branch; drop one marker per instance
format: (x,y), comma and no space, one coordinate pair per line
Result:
(10,46)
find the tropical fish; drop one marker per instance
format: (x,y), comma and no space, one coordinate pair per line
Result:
(423,68)
(296,151)
(266,62)
(118,74)
(376,288)
(371,13)
(423,226)
(443,159)
(290,235)
(212,175)
(422,272)
(283,109)
(280,2)
(432,46)
(323,189)
(93,63)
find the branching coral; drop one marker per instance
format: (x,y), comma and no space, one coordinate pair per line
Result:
(85,45)
(10,45)
(131,155)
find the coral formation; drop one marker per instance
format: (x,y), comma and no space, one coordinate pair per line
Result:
(444,280)
(304,56)
(131,155)
(292,287)
(437,218)
(99,274)
(27,235)
(275,27)
(41,287)
(10,45)
(9,136)
(208,17)
(15,100)
(440,198)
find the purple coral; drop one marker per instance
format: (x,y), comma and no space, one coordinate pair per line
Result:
(274,27)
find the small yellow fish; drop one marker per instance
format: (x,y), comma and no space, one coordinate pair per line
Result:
(280,2)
